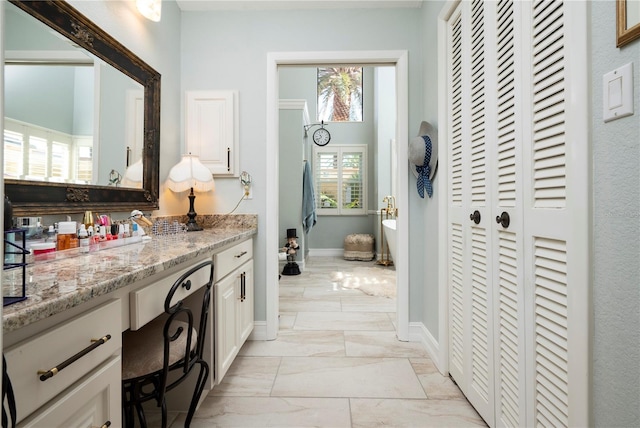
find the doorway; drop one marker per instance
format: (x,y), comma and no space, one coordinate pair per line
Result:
(398,59)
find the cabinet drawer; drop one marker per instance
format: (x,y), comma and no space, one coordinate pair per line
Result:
(53,347)
(92,402)
(228,260)
(147,303)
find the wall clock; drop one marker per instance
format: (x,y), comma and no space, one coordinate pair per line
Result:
(321,137)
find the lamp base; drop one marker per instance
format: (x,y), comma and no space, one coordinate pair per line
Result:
(192,226)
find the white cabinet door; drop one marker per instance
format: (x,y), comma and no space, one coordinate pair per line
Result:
(92,402)
(227,341)
(245,302)
(212,130)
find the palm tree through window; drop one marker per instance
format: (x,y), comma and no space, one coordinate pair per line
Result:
(340,94)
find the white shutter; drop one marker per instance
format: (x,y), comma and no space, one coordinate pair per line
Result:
(455,240)
(13,154)
(340,174)
(37,157)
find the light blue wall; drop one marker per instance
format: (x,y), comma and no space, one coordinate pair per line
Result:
(616,234)
(113,102)
(301,83)
(424,252)
(291,164)
(228,50)
(41,95)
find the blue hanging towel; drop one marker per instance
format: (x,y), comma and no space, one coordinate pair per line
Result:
(309,216)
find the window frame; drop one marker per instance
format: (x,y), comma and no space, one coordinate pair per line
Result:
(339,150)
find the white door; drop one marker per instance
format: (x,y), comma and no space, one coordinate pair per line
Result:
(470,221)
(518,167)
(556,206)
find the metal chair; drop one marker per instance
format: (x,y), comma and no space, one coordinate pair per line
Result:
(162,354)
(8,399)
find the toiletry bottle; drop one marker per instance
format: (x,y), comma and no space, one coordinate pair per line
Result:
(67,235)
(93,239)
(83,239)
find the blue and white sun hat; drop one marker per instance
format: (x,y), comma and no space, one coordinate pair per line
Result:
(423,156)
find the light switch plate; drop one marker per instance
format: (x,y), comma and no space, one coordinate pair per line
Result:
(617,97)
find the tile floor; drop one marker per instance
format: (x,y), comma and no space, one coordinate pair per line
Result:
(336,363)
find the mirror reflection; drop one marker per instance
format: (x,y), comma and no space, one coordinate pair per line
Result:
(61,124)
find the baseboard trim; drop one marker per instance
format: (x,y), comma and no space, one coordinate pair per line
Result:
(418,332)
(259,331)
(326,252)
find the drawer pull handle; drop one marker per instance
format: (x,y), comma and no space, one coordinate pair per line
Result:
(228,159)
(106,425)
(240,255)
(243,286)
(44,375)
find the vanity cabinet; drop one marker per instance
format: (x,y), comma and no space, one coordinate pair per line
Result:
(126,289)
(93,402)
(74,367)
(233,297)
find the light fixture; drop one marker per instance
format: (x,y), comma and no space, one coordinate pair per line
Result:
(133,175)
(190,173)
(150,9)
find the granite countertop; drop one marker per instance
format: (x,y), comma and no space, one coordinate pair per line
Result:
(53,286)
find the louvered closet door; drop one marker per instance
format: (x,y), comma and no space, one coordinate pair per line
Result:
(470,252)
(517,148)
(555,206)
(507,237)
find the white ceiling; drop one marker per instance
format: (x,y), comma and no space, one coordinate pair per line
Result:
(200,5)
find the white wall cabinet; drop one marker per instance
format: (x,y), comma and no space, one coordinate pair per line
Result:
(211,128)
(233,299)
(514,128)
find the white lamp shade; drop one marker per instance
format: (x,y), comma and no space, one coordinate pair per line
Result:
(133,175)
(150,9)
(190,173)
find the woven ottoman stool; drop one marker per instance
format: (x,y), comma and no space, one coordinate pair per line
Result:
(359,246)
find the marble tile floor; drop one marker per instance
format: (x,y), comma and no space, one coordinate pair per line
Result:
(336,363)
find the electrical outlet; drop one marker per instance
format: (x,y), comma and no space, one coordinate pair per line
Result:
(245,181)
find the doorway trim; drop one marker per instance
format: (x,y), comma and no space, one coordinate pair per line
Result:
(399,59)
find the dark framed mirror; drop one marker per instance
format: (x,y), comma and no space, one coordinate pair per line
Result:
(31,198)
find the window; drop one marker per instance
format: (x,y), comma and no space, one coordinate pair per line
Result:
(340,179)
(13,156)
(340,94)
(84,161)
(36,153)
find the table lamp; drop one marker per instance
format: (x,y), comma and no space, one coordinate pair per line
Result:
(133,175)
(190,173)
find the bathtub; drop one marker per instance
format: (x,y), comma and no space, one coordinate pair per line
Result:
(389,227)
